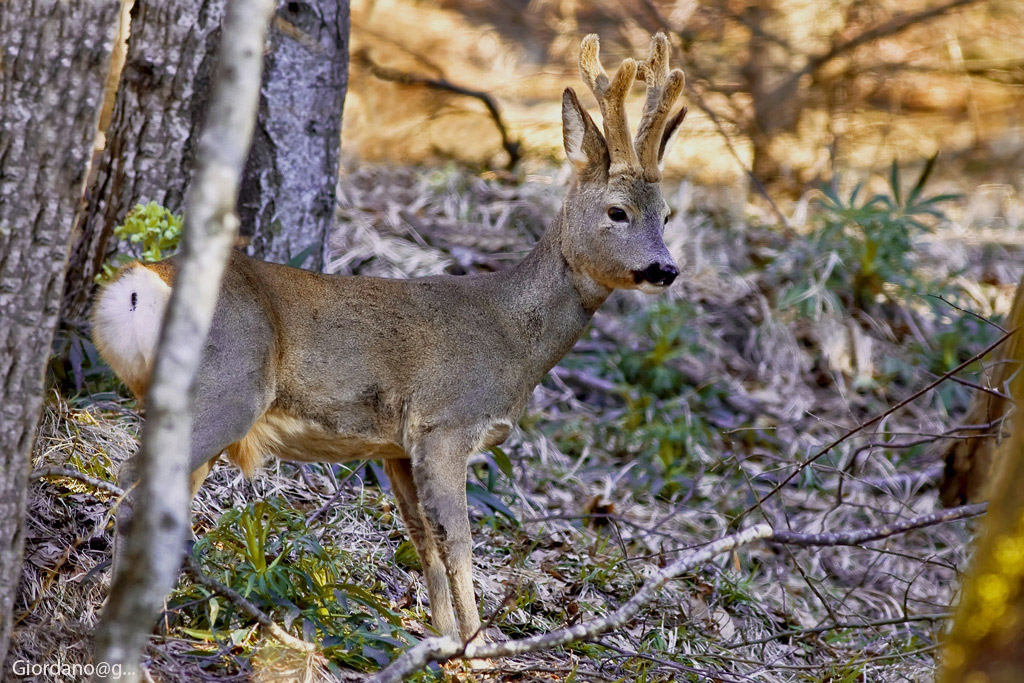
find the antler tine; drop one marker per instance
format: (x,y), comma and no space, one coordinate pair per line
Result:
(611,97)
(663,88)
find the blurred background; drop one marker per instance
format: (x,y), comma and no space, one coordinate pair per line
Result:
(790,89)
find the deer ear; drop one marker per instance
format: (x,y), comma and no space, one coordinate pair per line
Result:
(584,144)
(669,136)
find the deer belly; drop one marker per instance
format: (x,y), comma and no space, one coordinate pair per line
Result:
(293,438)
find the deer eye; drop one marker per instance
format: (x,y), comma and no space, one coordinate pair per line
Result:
(617,214)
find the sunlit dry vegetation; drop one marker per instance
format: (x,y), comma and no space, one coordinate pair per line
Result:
(866,265)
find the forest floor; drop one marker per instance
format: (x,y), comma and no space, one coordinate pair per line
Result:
(659,432)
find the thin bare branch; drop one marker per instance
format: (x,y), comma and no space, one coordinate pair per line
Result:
(969,312)
(75,474)
(801,632)
(513,148)
(897,24)
(877,533)
(152,554)
(878,418)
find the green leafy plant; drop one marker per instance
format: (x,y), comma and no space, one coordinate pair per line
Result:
(152,233)
(663,422)
(266,551)
(861,252)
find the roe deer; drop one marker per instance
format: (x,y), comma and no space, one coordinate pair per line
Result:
(423,372)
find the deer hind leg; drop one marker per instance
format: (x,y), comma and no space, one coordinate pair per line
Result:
(399,472)
(439,471)
(220,419)
(199,475)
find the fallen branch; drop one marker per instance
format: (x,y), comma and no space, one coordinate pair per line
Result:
(877,533)
(445,648)
(106,486)
(512,147)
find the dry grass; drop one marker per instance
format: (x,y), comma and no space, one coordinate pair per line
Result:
(760,390)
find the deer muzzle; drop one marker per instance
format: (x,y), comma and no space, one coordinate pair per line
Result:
(658,274)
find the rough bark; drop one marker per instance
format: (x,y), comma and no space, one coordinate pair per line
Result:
(970,462)
(287,199)
(288,193)
(154,547)
(151,138)
(54,57)
(986,642)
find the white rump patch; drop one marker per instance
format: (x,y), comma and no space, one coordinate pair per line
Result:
(126,322)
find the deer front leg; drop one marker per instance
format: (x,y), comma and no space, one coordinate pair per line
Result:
(399,472)
(439,466)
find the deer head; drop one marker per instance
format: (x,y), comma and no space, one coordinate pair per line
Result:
(614,211)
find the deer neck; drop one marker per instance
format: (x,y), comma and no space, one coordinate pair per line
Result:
(548,303)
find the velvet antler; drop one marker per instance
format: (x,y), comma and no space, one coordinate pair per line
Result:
(611,97)
(663,89)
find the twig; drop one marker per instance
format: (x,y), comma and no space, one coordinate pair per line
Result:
(877,533)
(247,607)
(982,388)
(445,648)
(864,425)
(798,632)
(969,312)
(75,474)
(512,147)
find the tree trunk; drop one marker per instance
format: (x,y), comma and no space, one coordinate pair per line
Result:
(986,642)
(54,59)
(151,140)
(971,461)
(775,100)
(160,509)
(287,201)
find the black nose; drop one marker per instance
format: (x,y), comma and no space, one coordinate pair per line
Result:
(657,273)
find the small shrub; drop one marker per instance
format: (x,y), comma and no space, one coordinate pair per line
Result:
(266,552)
(664,421)
(152,233)
(861,253)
